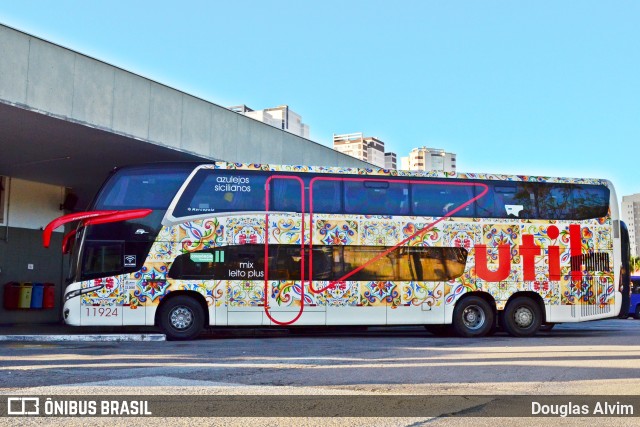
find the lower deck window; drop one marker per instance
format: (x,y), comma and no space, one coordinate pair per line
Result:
(327,263)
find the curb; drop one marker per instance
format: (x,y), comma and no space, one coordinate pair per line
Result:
(92,338)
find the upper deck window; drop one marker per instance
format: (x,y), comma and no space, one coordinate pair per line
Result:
(440,199)
(212,191)
(373,197)
(536,200)
(590,201)
(217,191)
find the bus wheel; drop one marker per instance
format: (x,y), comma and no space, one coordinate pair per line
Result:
(181,318)
(522,317)
(473,317)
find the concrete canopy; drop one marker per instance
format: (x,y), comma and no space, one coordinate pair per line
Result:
(40,148)
(68,119)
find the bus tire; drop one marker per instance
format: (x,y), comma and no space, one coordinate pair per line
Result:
(181,318)
(522,317)
(473,317)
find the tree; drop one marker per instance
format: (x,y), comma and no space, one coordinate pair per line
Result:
(634,265)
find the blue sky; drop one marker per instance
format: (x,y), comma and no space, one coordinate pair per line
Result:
(543,87)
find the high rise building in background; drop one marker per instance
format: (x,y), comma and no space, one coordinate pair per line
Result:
(428,159)
(281,117)
(390,161)
(367,148)
(630,214)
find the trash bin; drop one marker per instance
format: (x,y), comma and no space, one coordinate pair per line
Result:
(11,295)
(24,300)
(49,296)
(37,292)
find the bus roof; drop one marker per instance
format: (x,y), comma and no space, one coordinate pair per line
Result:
(373,171)
(393,172)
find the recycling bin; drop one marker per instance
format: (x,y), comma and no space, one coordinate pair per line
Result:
(11,295)
(24,299)
(49,296)
(37,292)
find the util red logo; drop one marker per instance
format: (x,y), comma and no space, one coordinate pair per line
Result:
(528,252)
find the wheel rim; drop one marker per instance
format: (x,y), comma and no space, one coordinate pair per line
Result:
(181,318)
(523,317)
(473,317)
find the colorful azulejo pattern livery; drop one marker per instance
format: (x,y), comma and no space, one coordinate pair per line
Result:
(251,264)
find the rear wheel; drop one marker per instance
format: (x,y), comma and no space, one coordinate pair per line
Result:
(181,318)
(473,317)
(522,317)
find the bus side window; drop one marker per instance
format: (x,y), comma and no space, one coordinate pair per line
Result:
(505,206)
(458,195)
(397,200)
(485,205)
(442,199)
(376,198)
(327,196)
(554,201)
(590,201)
(428,199)
(322,263)
(285,195)
(515,200)
(213,190)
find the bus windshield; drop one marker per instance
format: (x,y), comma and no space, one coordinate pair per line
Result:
(144,187)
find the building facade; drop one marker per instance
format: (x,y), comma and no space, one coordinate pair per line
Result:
(428,159)
(390,161)
(281,117)
(630,214)
(366,148)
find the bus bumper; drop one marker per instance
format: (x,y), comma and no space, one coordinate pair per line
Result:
(617,303)
(71,308)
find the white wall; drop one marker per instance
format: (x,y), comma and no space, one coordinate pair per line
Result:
(33,205)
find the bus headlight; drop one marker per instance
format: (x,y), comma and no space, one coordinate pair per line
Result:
(79,292)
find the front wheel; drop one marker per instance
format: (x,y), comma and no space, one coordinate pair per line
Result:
(522,317)
(181,318)
(473,317)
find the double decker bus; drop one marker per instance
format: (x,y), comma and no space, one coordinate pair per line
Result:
(185,246)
